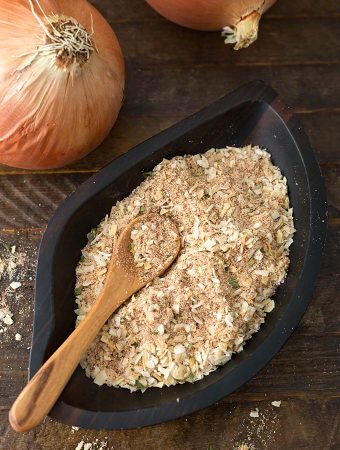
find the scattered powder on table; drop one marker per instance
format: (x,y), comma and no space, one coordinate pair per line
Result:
(96,445)
(12,265)
(232,210)
(245,447)
(276,403)
(18,337)
(258,432)
(15,285)
(254,413)
(264,429)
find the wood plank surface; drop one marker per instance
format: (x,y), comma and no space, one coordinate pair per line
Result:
(277,45)
(178,91)
(223,426)
(173,72)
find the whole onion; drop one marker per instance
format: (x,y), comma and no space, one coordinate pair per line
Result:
(239,19)
(61,81)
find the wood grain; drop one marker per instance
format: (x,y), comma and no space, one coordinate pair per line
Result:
(303,8)
(277,45)
(173,72)
(223,426)
(28,201)
(177,91)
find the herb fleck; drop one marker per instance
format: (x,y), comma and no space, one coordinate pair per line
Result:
(92,234)
(78,290)
(147,174)
(191,377)
(6,247)
(140,385)
(234,283)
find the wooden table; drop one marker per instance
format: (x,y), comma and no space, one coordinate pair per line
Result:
(171,73)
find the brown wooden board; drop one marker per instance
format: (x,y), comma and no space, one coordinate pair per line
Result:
(173,72)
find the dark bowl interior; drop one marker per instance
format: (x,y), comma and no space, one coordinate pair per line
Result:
(251,115)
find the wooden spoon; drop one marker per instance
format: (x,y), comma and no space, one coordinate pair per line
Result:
(122,281)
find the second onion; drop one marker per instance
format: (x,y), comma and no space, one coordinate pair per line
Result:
(239,19)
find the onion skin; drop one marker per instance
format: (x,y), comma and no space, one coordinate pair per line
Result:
(48,116)
(208,15)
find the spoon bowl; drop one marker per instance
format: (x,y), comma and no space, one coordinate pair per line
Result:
(124,257)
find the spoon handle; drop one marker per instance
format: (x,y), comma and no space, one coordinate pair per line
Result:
(41,393)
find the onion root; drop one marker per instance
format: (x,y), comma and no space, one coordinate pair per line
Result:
(66,38)
(244,32)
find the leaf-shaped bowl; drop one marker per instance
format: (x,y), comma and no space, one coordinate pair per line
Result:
(253,114)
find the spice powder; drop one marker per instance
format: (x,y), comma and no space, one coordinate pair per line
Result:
(232,210)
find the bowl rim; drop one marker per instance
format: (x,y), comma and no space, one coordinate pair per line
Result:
(253,91)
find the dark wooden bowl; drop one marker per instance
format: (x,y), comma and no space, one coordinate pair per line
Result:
(252,114)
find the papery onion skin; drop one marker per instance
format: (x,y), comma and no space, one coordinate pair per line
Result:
(209,15)
(50,115)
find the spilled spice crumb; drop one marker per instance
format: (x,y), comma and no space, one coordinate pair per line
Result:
(245,446)
(276,403)
(15,311)
(15,285)
(95,445)
(10,262)
(254,413)
(258,429)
